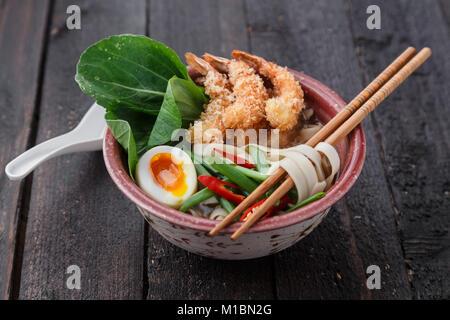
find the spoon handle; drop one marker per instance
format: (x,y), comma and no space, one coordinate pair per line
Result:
(66,143)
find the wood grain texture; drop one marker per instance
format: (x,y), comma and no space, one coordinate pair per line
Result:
(73,213)
(177,274)
(77,216)
(199,26)
(445,8)
(217,27)
(21,48)
(315,37)
(414,135)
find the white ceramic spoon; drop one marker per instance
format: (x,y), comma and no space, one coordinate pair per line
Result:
(87,136)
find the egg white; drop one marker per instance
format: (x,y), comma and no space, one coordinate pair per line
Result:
(146,182)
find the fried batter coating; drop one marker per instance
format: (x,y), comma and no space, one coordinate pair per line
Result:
(283,109)
(210,128)
(239,99)
(250,94)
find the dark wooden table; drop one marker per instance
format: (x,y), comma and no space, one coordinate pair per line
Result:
(70,213)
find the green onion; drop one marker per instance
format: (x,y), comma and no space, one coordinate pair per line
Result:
(196,198)
(258,156)
(235,176)
(313,198)
(227,205)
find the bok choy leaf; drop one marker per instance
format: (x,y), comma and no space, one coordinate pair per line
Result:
(183,103)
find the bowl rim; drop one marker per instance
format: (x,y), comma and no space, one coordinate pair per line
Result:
(348,176)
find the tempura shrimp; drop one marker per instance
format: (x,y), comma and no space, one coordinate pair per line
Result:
(283,109)
(248,109)
(210,128)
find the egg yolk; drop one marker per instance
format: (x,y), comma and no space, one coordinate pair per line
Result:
(168,174)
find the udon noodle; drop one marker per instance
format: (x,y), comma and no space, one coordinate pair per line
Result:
(313,170)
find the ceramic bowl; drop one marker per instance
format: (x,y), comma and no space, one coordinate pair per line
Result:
(268,236)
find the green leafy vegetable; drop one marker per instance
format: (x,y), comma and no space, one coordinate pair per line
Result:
(182,105)
(128,71)
(121,130)
(145,88)
(141,125)
(129,129)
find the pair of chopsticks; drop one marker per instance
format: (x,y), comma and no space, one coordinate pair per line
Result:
(332,133)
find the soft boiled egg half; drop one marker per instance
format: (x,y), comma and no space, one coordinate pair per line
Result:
(167,174)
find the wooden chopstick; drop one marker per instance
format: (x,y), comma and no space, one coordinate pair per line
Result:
(379,96)
(362,97)
(342,132)
(331,125)
(252,197)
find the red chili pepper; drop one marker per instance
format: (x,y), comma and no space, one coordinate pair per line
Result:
(275,209)
(247,212)
(218,186)
(237,160)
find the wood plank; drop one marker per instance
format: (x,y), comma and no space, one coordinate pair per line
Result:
(21,48)
(314,37)
(174,273)
(199,26)
(217,27)
(445,7)
(77,216)
(414,135)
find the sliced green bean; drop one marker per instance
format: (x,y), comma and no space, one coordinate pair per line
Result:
(292,193)
(246,171)
(199,168)
(251,173)
(217,160)
(258,156)
(227,205)
(201,171)
(313,198)
(271,190)
(235,176)
(196,198)
(200,160)
(210,168)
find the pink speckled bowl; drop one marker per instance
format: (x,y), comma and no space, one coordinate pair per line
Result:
(267,236)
